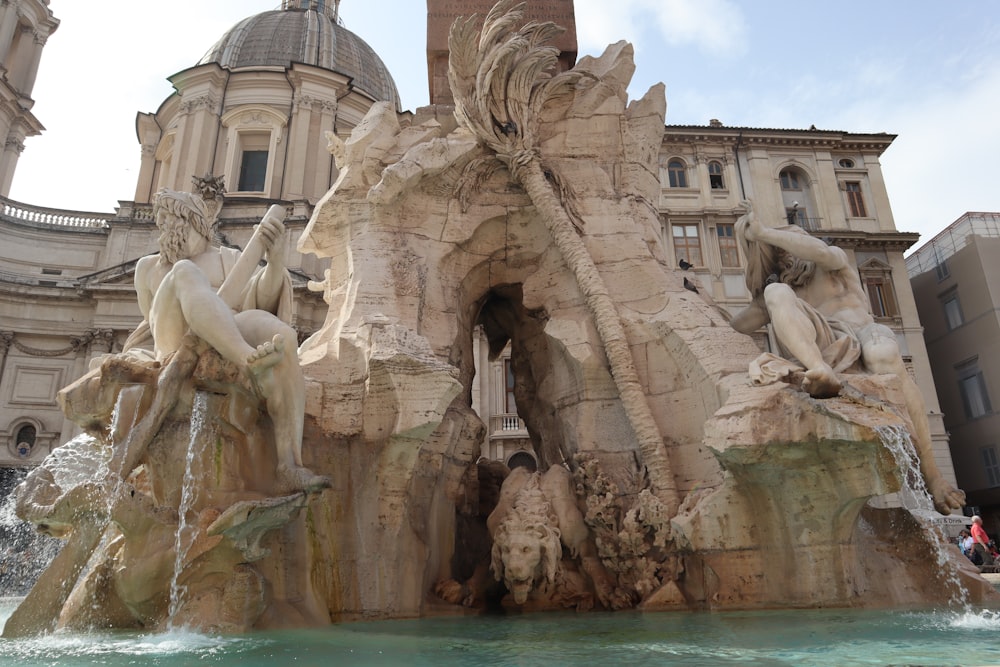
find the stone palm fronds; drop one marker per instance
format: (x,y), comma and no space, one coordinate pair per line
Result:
(501,79)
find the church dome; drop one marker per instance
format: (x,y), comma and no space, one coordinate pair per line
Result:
(279,38)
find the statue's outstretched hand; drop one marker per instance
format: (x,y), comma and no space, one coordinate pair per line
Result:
(751,226)
(271,233)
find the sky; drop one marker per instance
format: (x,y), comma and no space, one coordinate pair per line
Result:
(926,71)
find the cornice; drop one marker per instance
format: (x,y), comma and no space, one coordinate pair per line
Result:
(849,239)
(747,136)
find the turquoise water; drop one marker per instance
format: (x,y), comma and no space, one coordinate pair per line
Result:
(841,638)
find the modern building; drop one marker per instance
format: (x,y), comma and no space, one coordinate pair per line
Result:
(255,110)
(956,283)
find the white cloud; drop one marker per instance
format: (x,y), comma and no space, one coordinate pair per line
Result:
(942,163)
(716,27)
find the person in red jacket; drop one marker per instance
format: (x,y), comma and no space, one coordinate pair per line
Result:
(981,541)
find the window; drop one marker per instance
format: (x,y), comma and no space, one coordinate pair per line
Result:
(789,180)
(677,174)
(715,175)
(876,276)
(991,465)
(796,216)
(253,136)
(253,161)
(727,245)
(881,296)
(253,170)
(941,266)
(973,388)
(855,200)
(24,441)
(509,405)
(846,163)
(952,310)
(687,243)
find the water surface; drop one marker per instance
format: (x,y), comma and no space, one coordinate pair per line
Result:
(835,638)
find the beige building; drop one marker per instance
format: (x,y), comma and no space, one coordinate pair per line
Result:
(258,117)
(25,27)
(956,283)
(830,183)
(254,109)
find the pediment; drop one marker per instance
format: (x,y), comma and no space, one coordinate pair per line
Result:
(874,264)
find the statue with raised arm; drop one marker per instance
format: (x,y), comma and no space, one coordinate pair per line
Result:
(241,310)
(812,296)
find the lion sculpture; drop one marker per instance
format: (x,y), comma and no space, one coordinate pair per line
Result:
(543,548)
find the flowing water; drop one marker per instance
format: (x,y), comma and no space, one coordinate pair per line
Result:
(916,497)
(960,635)
(189,489)
(801,638)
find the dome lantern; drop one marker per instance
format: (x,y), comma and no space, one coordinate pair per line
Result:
(330,8)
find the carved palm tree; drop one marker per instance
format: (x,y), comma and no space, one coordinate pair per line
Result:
(501,78)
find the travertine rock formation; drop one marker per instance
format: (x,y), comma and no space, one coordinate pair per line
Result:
(529,213)
(527,210)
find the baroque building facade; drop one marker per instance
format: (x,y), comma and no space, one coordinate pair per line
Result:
(256,109)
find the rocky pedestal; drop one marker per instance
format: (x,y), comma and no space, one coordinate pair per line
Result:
(525,215)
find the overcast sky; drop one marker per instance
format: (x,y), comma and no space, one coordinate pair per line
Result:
(926,71)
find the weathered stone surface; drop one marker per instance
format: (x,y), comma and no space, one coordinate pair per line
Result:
(681,485)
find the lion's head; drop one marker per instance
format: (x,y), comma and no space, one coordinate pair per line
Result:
(526,545)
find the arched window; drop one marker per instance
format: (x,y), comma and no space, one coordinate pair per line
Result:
(522,459)
(715,175)
(789,179)
(24,441)
(677,173)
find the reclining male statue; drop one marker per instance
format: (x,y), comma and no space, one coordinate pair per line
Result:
(224,298)
(813,298)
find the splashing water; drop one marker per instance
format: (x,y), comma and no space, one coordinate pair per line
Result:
(24,553)
(78,461)
(183,541)
(915,496)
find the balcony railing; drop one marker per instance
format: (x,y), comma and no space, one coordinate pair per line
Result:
(507,426)
(18,212)
(809,224)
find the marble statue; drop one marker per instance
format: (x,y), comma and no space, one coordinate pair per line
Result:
(191,473)
(194,286)
(542,548)
(524,219)
(811,295)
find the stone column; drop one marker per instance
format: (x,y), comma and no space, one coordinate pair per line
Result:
(12,150)
(6,339)
(8,23)
(196,139)
(298,140)
(30,72)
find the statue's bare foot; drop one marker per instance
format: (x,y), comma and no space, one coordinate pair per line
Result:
(821,382)
(947,498)
(296,478)
(267,355)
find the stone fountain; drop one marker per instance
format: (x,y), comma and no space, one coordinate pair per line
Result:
(668,480)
